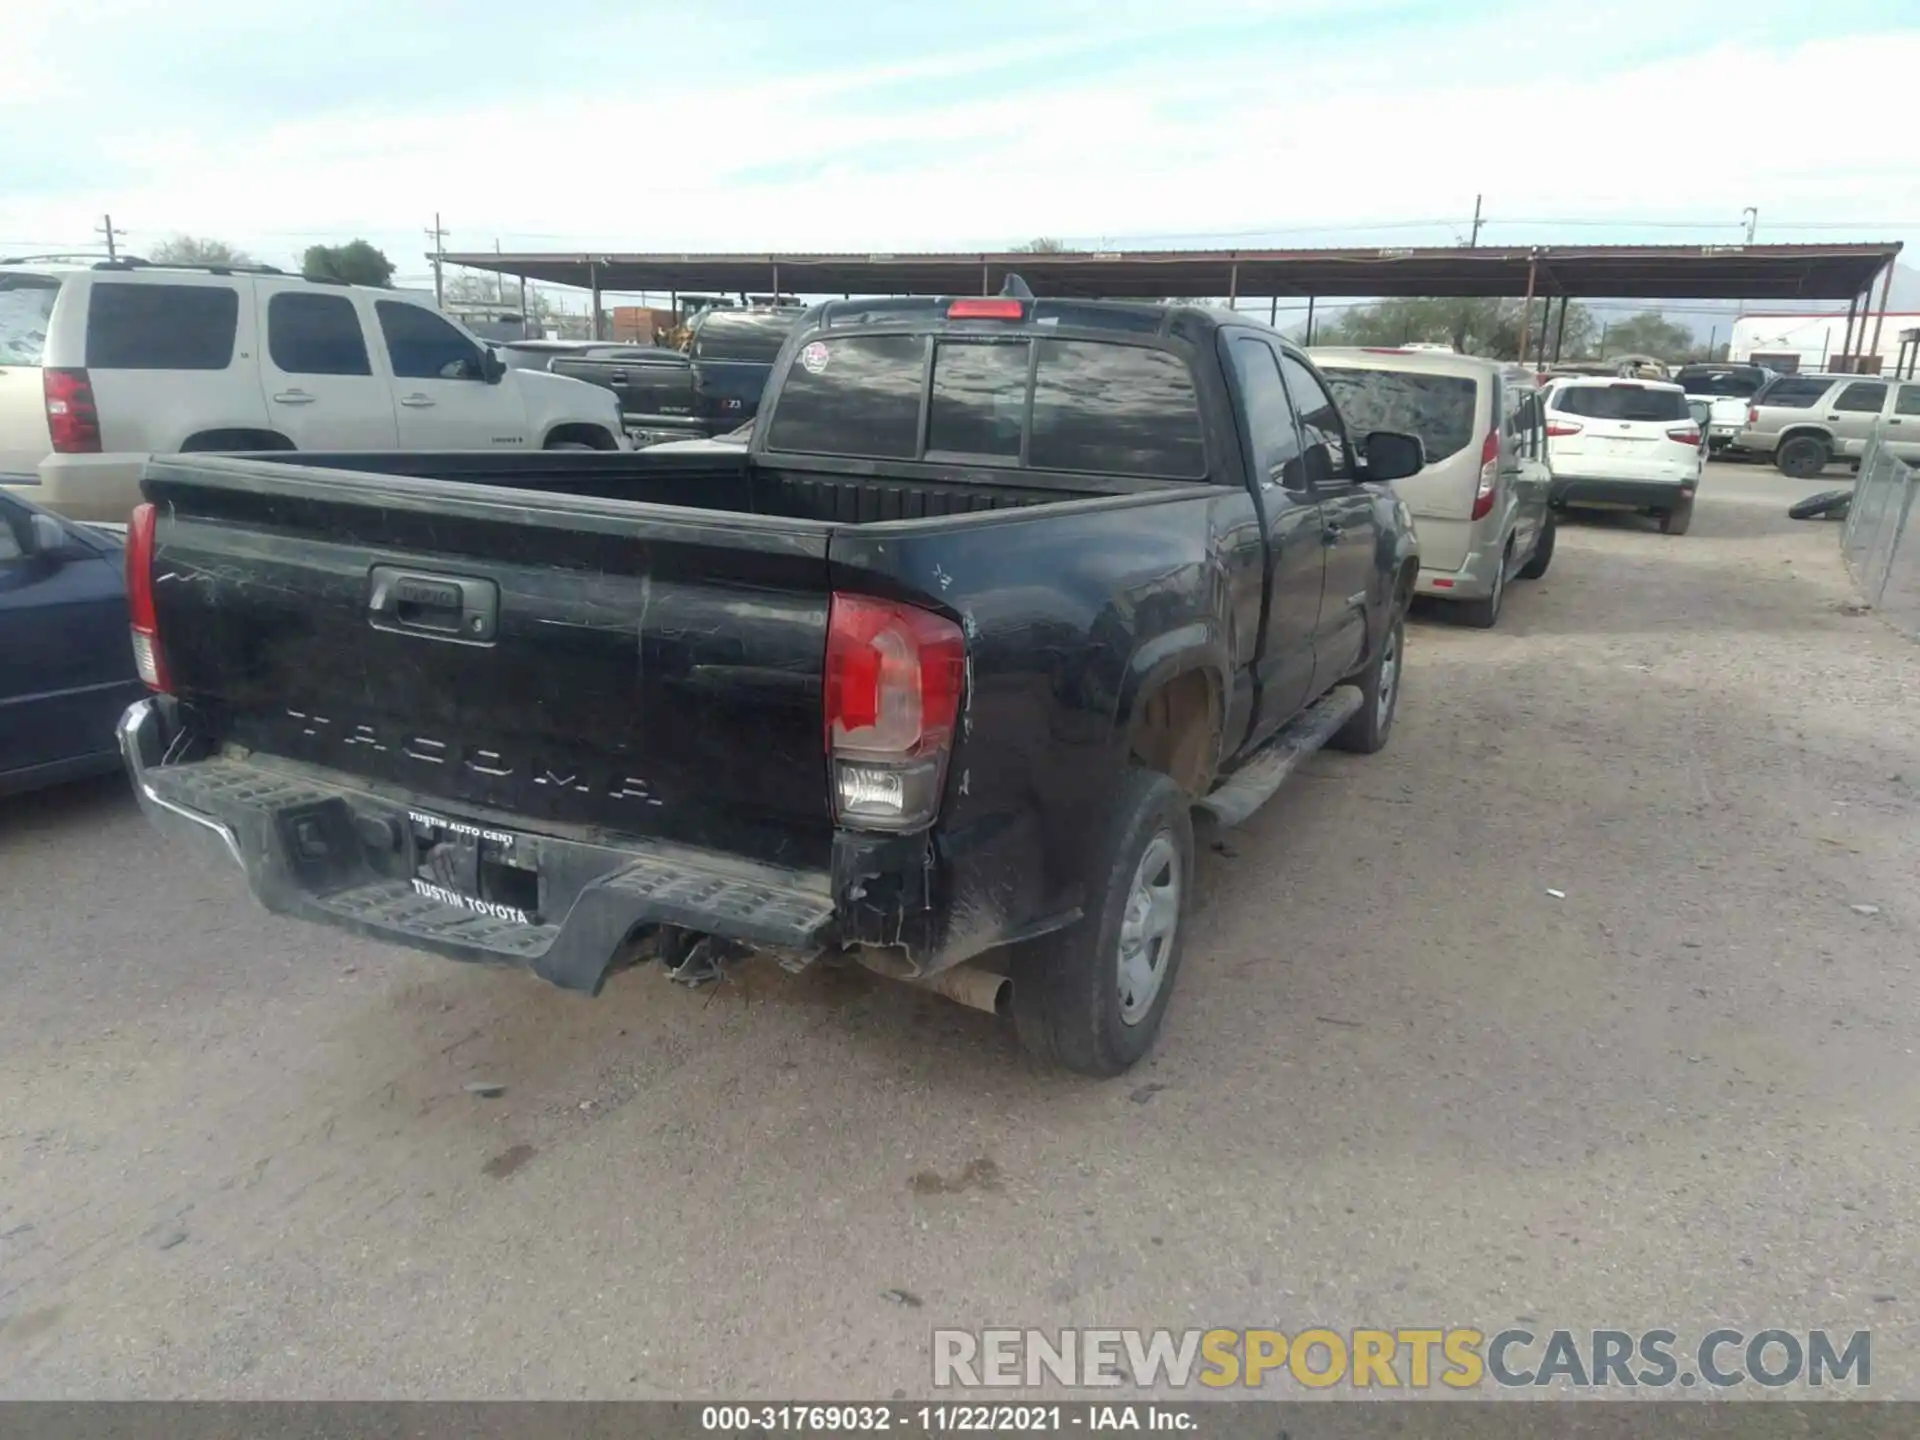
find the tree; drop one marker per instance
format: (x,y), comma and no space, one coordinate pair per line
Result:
(1042,245)
(199,250)
(1650,333)
(355,263)
(1472,325)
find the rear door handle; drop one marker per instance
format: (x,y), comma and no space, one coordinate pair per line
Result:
(294,397)
(416,402)
(619,375)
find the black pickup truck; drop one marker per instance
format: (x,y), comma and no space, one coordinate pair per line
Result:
(939,665)
(711,387)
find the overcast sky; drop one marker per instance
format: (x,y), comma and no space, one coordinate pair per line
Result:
(767,124)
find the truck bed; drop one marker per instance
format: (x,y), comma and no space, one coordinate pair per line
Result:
(732,484)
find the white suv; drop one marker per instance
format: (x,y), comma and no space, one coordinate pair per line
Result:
(1624,445)
(103,366)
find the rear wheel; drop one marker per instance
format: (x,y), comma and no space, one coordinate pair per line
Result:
(1803,457)
(1367,729)
(1676,520)
(1542,556)
(1484,614)
(1091,997)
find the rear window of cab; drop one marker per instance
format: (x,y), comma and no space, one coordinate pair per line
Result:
(1088,406)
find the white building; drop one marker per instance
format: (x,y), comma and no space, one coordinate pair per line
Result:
(1813,342)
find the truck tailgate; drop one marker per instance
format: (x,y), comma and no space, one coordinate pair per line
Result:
(575,661)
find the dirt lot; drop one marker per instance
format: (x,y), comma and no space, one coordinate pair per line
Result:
(1401,1083)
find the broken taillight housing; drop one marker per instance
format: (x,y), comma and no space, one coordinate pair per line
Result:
(894,678)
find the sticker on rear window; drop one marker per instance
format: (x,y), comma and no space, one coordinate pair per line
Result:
(814,358)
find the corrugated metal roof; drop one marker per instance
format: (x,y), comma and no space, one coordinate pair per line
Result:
(1733,272)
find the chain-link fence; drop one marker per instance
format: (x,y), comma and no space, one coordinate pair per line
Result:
(1881,542)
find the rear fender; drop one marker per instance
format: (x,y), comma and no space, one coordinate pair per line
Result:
(1196,646)
(1813,432)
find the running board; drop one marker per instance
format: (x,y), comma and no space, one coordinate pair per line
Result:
(1253,784)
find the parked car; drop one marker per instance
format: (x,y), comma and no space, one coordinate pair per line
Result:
(1480,501)
(1041,574)
(1624,445)
(107,364)
(714,386)
(66,667)
(1805,422)
(1728,389)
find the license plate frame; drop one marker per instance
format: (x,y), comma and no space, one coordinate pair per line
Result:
(447,859)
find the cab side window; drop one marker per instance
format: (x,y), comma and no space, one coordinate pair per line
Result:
(1271,431)
(1328,458)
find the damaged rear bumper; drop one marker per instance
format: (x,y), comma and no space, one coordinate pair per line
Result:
(320,850)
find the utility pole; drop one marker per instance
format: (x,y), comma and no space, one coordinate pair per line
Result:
(1474,238)
(105,227)
(1752,216)
(439,237)
(499,280)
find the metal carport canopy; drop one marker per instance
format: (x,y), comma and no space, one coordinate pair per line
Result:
(1692,272)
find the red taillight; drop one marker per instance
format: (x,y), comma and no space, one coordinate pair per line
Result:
(894,677)
(995,308)
(1489,475)
(1753,414)
(1688,435)
(1560,429)
(72,419)
(148,658)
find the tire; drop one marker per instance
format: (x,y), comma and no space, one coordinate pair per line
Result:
(1367,731)
(567,445)
(1542,556)
(1676,520)
(1803,457)
(1091,997)
(1485,614)
(1827,505)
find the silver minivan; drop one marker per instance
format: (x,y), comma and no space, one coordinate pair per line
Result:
(1481,503)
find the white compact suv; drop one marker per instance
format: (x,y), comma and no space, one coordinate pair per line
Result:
(104,365)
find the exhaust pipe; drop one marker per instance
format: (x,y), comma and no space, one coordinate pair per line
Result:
(973,987)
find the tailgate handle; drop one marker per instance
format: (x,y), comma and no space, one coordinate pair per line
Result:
(442,607)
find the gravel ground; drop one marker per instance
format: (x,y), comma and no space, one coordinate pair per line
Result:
(1401,1083)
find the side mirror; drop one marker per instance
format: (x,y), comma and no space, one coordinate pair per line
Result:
(1393,455)
(492,367)
(46,536)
